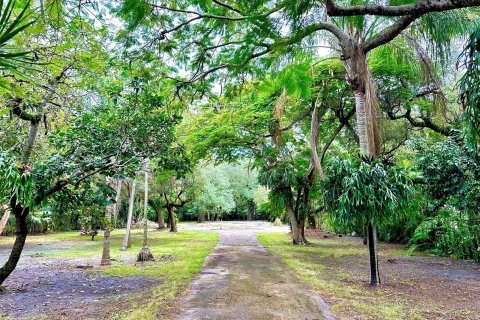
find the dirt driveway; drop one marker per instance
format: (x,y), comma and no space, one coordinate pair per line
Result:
(241,280)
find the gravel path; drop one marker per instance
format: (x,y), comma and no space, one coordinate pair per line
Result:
(241,280)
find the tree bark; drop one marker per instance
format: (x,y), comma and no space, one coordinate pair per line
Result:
(145,211)
(366,105)
(201,218)
(172,219)
(372,253)
(250,209)
(160,220)
(117,205)
(21,232)
(145,254)
(32,136)
(297,237)
(4,220)
(106,232)
(301,224)
(126,240)
(311,220)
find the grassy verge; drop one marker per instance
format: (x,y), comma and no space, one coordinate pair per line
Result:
(338,270)
(189,249)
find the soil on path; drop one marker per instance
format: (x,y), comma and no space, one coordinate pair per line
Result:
(241,280)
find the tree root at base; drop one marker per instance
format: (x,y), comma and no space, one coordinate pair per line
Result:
(145,255)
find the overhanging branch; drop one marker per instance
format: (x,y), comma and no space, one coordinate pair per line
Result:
(419,8)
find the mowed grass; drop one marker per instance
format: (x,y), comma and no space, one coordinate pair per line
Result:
(178,258)
(330,267)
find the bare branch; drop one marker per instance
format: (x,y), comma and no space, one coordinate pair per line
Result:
(419,8)
(389,33)
(229,7)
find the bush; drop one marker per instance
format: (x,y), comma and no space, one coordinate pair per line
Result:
(451,232)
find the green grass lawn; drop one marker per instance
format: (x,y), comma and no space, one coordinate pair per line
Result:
(178,258)
(326,265)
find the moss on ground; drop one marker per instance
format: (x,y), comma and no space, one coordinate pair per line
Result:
(324,265)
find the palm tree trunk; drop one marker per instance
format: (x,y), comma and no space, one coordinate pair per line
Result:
(126,240)
(372,252)
(361,121)
(366,106)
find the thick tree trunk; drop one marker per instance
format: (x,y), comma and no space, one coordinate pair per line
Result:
(361,121)
(201,218)
(160,220)
(126,240)
(372,253)
(21,232)
(297,237)
(366,101)
(172,219)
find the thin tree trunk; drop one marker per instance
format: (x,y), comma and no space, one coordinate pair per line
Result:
(4,220)
(126,240)
(366,106)
(118,199)
(145,254)
(301,225)
(20,213)
(249,211)
(372,253)
(106,231)
(145,211)
(171,218)
(32,136)
(21,232)
(311,220)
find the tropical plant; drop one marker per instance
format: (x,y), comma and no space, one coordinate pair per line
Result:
(358,193)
